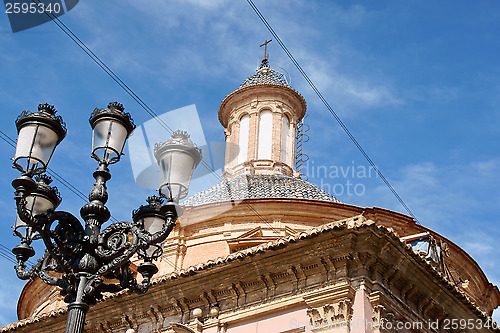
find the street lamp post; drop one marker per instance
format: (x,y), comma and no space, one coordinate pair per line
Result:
(81,260)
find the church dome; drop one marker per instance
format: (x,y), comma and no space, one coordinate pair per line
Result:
(265,75)
(248,186)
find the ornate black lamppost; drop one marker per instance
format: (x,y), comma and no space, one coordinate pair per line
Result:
(81,259)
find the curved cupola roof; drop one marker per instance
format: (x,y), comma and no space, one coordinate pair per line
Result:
(249,186)
(265,75)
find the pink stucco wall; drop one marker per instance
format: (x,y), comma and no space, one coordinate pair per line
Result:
(288,320)
(362,311)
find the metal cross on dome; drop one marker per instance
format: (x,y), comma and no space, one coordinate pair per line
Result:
(266,56)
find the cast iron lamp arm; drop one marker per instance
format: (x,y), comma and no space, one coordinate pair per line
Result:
(40,269)
(114,249)
(65,242)
(68,227)
(77,252)
(24,252)
(128,281)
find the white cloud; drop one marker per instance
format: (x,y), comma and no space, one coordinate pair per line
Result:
(478,249)
(489,168)
(207,3)
(220,45)
(439,194)
(365,94)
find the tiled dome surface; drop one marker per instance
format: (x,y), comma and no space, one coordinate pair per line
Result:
(259,186)
(265,75)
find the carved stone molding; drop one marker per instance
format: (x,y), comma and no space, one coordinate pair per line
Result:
(156,318)
(179,328)
(104,327)
(206,301)
(182,309)
(254,103)
(383,320)
(238,292)
(331,315)
(129,321)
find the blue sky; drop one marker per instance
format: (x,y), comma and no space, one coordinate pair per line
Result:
(417,83)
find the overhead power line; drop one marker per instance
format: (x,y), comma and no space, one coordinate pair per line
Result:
(51,172)
(332,111)
(134,96)
(7,254)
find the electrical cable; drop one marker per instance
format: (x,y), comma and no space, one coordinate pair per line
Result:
(334,114)
(55,175)
(5,249)
(8,258)
(134,96)
(155,116)
(51,172)
(11,256)
(7,254)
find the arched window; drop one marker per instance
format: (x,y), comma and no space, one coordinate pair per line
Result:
(265,135)
(285,139)
(243,140)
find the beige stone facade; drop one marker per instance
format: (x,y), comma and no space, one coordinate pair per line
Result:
(276,262)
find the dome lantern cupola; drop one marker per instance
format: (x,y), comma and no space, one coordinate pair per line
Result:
(260,120)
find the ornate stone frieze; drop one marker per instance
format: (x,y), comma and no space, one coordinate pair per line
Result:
(383,320)
(331,315)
